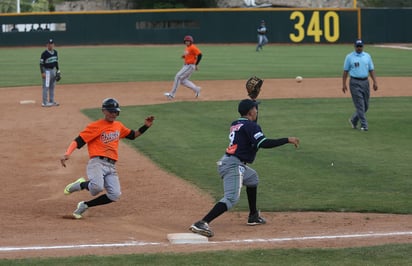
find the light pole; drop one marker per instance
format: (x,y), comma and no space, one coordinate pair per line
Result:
(18,6)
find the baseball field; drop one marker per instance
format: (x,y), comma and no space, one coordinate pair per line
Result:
(342,194)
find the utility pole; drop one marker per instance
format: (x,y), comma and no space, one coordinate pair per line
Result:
(18,6)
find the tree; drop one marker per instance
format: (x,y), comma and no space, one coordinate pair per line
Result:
(387,3)
(159,4)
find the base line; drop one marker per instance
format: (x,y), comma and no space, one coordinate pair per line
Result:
(304,238)
(257,240)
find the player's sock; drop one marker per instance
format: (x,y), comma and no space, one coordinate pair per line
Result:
(101,200)
(217,210)
(251,198)
(84,185)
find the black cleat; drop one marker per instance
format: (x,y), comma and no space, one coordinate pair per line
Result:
(201,228)
(255,219)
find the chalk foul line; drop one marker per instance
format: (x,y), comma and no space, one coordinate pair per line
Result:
(257,240)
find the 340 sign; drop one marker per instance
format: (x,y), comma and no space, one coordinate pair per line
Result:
(316,25)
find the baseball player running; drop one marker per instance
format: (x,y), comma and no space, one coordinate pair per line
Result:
(246,137)
(262,38)
(192,56)
(102,139)
(49,68)
(358,65)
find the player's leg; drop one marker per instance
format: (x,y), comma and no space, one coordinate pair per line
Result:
(95,185)
(52,87)
(112,185)
(185,75)
(359,103)
(45,89)
(259,46)
(96,170)
(232,175)
(178,79)
(251,181)
(265,40)
(51,93)
(229,169)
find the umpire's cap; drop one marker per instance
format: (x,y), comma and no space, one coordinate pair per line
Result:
(245,106)
(359,43)
(111,105)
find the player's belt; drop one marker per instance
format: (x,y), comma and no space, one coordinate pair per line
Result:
(359,78)
(107,159)
(230,155)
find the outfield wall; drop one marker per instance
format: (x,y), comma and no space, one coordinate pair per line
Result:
(235,25)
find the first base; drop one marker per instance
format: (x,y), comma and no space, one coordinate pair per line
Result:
(27,101)
(186,238)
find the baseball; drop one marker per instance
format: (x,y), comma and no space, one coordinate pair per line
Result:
(299,79)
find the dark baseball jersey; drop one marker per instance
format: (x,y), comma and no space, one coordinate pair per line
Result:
(49,59)
(245,137)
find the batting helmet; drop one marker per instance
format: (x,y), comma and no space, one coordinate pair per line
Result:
(188,38)
(111,105)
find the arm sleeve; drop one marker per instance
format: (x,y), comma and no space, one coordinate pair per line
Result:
(271,143)
(131,135)
(199,57)
(80,142)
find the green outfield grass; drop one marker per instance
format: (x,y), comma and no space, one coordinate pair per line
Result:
(20,66)
(378,256)
(371,170)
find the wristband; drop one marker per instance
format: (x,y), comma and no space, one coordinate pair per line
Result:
(142,129)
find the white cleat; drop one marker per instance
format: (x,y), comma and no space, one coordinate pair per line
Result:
(169,96)
(197,94)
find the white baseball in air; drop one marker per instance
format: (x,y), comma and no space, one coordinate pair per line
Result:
(299,79)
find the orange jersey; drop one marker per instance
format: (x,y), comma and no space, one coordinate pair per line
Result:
(191,53)
(102,138)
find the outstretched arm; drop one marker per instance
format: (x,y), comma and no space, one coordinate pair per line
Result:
(272,143)
(148,122)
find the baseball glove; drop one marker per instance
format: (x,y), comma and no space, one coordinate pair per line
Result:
(58,76)
(253,86)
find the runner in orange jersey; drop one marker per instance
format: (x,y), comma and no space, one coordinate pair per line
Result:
(192,57)
(102,139)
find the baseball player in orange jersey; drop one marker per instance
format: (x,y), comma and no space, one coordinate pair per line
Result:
(192,57)
(102,139)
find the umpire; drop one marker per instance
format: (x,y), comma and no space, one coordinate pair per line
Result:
(358,65)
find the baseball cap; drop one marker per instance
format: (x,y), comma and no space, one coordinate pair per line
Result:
(50,41)
(359,43)
(245,105)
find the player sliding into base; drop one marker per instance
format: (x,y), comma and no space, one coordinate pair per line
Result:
(102,139)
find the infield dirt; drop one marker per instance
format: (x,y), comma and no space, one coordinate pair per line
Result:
(35,212)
